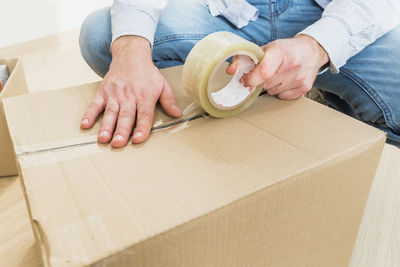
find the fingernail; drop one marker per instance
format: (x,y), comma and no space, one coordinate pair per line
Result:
(138,135)
(103,134)
(85,121)
(118,138)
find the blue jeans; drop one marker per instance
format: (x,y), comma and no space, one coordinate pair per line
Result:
(367,87)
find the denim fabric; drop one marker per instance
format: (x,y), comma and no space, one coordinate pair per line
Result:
(367,87)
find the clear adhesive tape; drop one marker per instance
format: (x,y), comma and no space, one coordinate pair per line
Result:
(201,67)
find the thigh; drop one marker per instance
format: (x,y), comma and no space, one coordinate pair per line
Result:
(95,40)
(185,22)
(289,17)
(368,86)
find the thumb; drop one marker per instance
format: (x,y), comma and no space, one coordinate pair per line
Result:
(168,101)
(266,68)
(231,69)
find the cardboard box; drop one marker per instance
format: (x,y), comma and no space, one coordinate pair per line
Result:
(282,184)
(16,85)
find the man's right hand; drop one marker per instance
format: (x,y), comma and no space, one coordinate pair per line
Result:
(130,89)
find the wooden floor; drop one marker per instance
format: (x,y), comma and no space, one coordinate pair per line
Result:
(378,242)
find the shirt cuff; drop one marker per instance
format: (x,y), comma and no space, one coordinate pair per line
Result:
(133,22)
(333,36)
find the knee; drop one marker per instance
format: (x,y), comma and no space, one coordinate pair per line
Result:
(95,39)
(172,53)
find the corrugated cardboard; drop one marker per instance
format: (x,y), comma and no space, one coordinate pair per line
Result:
(282,184)
(16,85)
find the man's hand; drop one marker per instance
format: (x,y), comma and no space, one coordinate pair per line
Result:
(132,86)
(289,67)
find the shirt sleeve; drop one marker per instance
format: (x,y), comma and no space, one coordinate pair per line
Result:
(347,26)
(136,17)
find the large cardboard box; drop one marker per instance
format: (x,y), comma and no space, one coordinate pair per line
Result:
(16,85)
(282,184)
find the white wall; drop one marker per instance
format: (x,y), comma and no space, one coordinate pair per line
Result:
(24,20)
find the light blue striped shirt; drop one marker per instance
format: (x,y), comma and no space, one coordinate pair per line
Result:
(345,28)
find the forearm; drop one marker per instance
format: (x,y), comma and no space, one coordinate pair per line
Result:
(348,26)
(136,17)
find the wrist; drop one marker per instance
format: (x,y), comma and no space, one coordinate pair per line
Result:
(129,47)
(317,49)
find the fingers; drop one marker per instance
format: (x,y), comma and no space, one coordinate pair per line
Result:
(94,109)
(145,116)
(168,101)
(295,86)
(231,69)
(284,86)
(126,119)
(274,81)
(109,121)
(280,83)
(292,93)
(266,69)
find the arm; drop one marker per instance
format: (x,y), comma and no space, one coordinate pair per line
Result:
(136,17)
(291,65)
(347,26)
(133,85)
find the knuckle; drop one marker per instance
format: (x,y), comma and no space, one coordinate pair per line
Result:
(301,78)
(302,86)
(295,63)
(99,98)
(143,95)
(97,101)
(144,115)
(127,92)
(126,113)
(105,127)
(146,96)
(265,74)
(306,84)
(303,90)
(112,109)
(122,131)
(93,106)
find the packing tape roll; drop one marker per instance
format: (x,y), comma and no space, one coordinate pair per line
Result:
(202,64)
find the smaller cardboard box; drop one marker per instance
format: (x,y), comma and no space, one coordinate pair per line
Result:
(16,85)
(282,184)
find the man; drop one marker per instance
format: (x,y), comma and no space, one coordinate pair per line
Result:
(359,40)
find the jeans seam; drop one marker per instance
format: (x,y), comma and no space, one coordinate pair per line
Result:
(174,37)
(272,20)
(374,96)
(281,10)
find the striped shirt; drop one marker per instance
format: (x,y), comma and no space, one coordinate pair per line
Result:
(345,28)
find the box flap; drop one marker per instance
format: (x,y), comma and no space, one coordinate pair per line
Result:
(16,85)
(53,118)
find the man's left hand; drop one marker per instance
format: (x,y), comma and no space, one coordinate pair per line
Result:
(289,67)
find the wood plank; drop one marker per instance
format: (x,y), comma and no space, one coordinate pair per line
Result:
(55,40)
(17,244)
(378,240)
